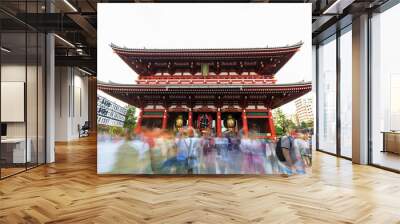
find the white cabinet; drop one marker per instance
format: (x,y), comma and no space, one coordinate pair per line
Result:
(19,155)
(12,101)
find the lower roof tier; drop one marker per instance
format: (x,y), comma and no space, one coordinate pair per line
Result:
(270,95)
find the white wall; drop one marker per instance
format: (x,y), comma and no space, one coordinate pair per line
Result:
(71,102)
(17,73)
(61,103)
(33,126)
(13,73)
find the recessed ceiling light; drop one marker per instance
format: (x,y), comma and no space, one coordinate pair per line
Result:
(338,6)
(70,5)
(84,71)
(5,50)
(64,40)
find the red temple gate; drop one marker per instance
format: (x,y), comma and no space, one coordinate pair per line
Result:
(210,88)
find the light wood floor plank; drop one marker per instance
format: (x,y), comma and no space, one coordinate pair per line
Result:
(70,191)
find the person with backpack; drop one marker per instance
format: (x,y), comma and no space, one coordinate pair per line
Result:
(287,153)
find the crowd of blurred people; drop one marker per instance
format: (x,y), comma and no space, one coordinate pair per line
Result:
(190,151)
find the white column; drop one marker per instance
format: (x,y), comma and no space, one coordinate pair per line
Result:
(314,92)
(50,91)
(50,98)
(360,90)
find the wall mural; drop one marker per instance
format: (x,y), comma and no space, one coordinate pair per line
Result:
(200,110)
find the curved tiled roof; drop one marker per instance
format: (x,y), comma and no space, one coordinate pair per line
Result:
(208,50)
(265,61)
(279,93)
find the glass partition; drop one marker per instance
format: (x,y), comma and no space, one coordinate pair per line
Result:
(22,67)
(385,89)
(346,93)
(327,95)
(14,153)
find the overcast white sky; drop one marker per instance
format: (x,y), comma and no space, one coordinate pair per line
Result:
(202,26)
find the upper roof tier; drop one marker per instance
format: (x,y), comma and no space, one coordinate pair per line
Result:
(263,61)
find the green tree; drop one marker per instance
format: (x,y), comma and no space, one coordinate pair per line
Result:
(112,130)
(310,124)
(278,130)
(282,124)
(130,121)
(303,125)
(291,124)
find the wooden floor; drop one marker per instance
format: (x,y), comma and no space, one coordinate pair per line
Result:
(70,191)
(387,159)
(5,172)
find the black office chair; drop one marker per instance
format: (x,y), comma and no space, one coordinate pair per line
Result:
(84,130)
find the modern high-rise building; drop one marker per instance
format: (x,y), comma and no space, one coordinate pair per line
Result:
(294,118)
(304,109)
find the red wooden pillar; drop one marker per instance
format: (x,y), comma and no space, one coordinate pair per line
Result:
(219,126)
(139,122)
(164,120)
(271,124)
(190,121)
(244,119)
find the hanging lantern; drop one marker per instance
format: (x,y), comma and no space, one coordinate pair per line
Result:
(179,122)
(230,122)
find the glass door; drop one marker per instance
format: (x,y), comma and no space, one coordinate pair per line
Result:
(327,95)
(346,92)
(22,77)
(385,90)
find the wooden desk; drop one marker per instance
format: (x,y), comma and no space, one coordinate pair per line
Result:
(13,150)
(391,142)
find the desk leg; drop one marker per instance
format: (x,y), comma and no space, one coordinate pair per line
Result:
(384,142)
